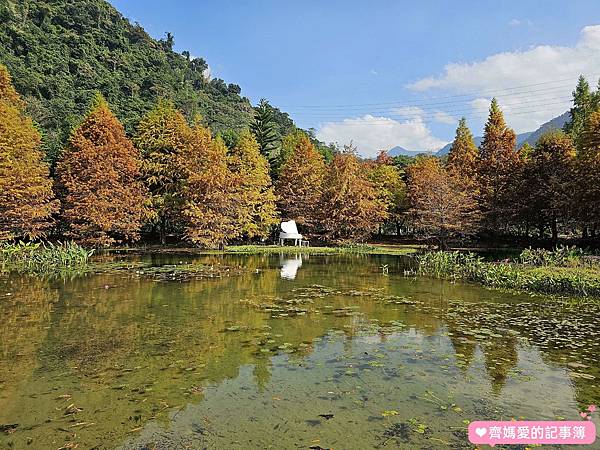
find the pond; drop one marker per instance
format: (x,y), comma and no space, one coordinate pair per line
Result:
(281,352)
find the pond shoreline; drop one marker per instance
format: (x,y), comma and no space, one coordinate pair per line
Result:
(574,278)
(367,249)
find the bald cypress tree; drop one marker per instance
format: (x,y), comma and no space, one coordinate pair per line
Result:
(26,197)
(8,93)
(550,181)
(441,204)
(210,202)
(391,188)
(496,168)
(463,153)
(162,135)
(351,207)
(300,185)
(103,198)
(587,169)
(258,212)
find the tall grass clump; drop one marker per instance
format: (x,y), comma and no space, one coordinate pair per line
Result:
(450,264)
(43,257)
(565,271)
(561,256)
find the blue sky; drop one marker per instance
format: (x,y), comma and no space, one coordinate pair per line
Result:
(385,73)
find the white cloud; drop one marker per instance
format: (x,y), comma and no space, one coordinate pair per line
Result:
(374,72)
(481,105)
(444,117)
(371,134)
(553,70)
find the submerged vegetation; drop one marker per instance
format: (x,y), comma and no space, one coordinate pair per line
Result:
(138,358)
(565,271)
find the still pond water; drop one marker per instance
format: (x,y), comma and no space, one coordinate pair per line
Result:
(280,352)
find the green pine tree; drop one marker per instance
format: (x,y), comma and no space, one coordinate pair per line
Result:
(583,101)
(264,129)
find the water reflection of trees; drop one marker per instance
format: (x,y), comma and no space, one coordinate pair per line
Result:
(561,336)
(126,346)
(25,307)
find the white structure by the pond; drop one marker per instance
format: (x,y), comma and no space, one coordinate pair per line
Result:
(289,230)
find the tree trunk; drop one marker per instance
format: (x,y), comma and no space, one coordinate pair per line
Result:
(162,231)
(554,228)
(442,241)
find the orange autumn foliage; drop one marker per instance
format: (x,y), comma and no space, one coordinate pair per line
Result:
(7,90)
(463,153)
(258,213)
(26,197)
(210,204)
(300,184)
(442,205)
(497,167)
(587,174)
(351,207)
(99,178)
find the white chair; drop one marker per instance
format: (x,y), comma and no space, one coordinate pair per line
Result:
(289,230)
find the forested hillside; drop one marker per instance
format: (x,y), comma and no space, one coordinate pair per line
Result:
(60,52)
(555,124)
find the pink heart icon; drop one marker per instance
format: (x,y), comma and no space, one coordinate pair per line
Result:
(583,414)
(592,408)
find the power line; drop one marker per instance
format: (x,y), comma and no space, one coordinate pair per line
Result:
(507,108)
(413,102)
(461,111)
(474,115)
(517,96)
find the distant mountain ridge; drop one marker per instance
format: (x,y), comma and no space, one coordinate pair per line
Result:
(401,151)
(521,139)
(554,124)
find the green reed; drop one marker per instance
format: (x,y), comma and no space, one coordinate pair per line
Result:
(47,257)
(563,272)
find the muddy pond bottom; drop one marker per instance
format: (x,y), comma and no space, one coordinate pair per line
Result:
(254,352)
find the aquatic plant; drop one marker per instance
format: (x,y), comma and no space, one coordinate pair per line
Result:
(450,264)
(548,273)
(562,256)
(43,257)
